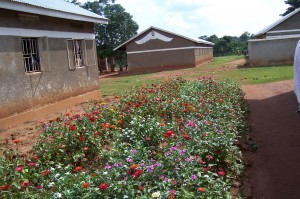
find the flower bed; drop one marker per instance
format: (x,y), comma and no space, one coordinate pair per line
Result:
(171,140)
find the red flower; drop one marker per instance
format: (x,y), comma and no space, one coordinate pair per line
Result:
(221,173)
(81,138)
(201,189)
(141,188)
(45,172)
(103,187)
(24,183)
(169,134)
(16,141)
(92,119)
(93,175)
(72,127)
(204,135)
(85,185)
(137,173)
(174,182)
(187,136)
(31,164)
(35,157)
(77,169)
(5,187)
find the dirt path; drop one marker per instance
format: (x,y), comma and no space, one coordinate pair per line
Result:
(275,171)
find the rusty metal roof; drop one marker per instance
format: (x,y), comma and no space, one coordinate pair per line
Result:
(54,8)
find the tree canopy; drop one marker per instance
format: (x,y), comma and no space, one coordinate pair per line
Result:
(294,4)
(229,45)
(119,29)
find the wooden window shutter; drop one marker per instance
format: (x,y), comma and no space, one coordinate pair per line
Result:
(43,46)
(70,54)
(90,52)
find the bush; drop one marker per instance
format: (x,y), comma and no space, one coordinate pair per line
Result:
(174,139)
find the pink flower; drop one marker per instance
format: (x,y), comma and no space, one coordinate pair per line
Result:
(19,168)
(194,177)
(39,187)
(221,173)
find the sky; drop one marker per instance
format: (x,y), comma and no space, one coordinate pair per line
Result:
(194,18)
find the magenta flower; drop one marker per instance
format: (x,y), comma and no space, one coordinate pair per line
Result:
(133,151)
(182,152)
(128,160)
(39,187)
(107,166)
(173,148)
(172,192)
(150,168)
(116,165)
(194,177)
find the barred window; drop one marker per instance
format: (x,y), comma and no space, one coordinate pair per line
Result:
(30,55)
(77,52)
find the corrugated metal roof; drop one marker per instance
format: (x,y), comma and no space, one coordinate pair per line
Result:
(263,31)
(200,41)
(61,6)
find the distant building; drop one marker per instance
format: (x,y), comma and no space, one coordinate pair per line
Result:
(276,44)
(47,53)
(155,49)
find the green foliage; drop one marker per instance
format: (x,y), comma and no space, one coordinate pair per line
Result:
(294,4)
(164,140)
(120,27)
(229,45)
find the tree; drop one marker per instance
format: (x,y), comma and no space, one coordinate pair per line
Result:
(229,45)
(294,4)
(119,29)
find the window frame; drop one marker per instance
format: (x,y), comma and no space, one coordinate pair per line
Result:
(31,55)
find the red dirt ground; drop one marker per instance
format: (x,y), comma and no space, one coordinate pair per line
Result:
(276,130)
(275,166)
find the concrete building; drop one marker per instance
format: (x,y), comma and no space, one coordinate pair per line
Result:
(275,44)
(155,49)
(47,53)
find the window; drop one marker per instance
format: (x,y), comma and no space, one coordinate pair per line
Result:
(81,53)
(30,55)
(77,53)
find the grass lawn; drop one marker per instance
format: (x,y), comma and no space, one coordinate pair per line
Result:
(257,75)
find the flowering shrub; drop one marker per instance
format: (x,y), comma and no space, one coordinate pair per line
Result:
(172,140)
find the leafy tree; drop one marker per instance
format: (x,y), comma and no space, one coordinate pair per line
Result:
(294,4)
(120,28)
(73,1)
(229,45)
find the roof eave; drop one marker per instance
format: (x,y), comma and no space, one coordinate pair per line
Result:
(152,27)
(52,13)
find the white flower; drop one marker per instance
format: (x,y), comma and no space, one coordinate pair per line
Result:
(156,194)
(57,195)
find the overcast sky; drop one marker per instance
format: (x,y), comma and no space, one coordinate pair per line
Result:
(194,18)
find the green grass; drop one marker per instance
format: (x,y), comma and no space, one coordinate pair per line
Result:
(258,75)
(110,87)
